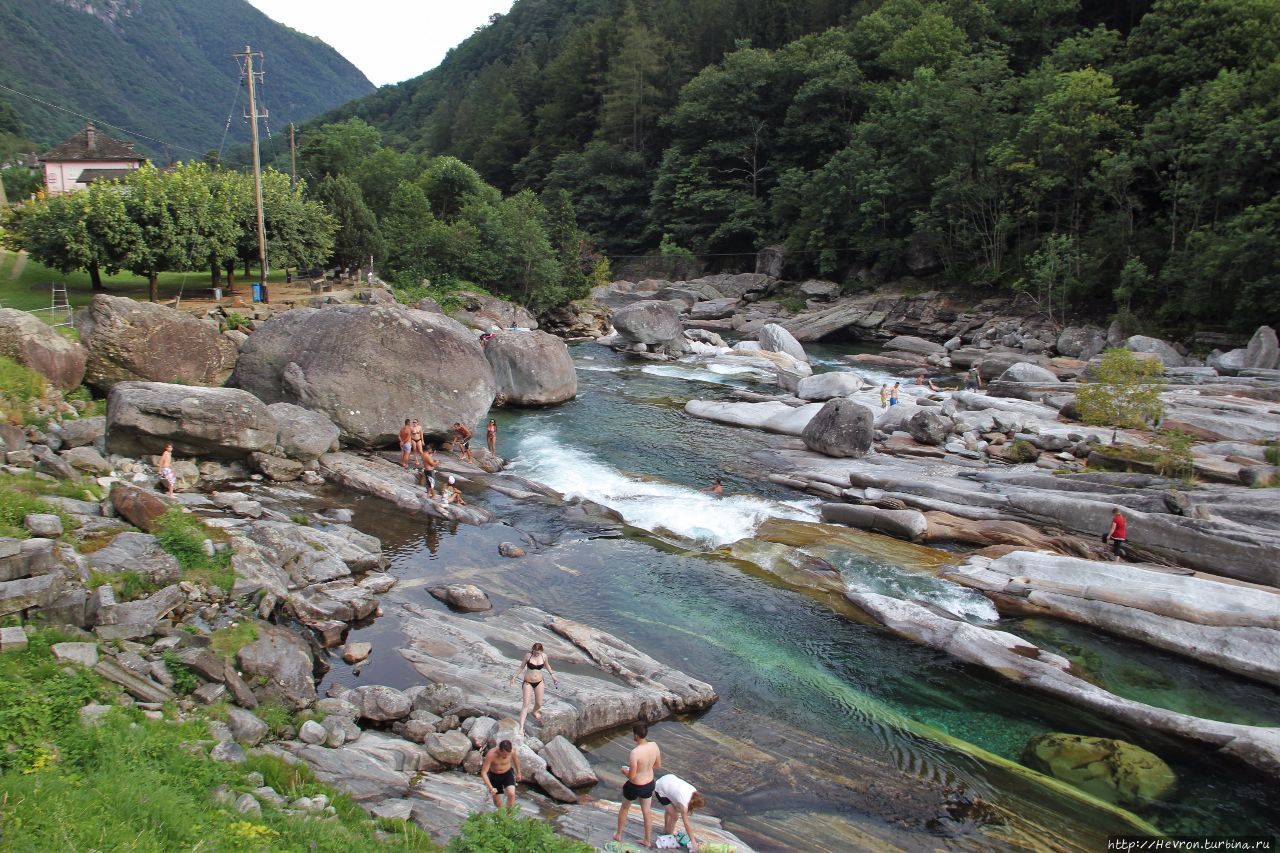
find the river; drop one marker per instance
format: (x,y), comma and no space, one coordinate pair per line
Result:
(829,734)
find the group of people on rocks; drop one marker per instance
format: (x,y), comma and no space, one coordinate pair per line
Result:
(679,799)
(413,445)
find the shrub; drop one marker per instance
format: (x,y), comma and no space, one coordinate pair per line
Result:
(1172,456)
(235,322)
(128,585)
(1125,392)
(227,641)
(1272,453)
(184,680)
(505,831)
(1021,450)
(183,535)
(19,385)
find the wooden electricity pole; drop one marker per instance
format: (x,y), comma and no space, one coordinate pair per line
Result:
(257,163)
(293,159)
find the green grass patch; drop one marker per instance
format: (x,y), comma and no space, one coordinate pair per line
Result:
(184,680)
(19,386)
(20,495)
(183,535)
(300,518)
(1272,453)
(227,641)
(136,784)
(128,585)
(505,829)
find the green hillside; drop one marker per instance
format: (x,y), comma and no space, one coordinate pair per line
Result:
(1111,157)
(162,68)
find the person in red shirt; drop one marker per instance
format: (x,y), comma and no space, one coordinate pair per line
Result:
(1117,534)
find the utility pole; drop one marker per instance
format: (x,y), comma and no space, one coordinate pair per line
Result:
(253,117)
(293,159)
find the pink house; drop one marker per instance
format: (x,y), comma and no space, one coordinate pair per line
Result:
(86,157)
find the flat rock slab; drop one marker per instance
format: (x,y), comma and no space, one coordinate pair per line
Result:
(387,480)
(478,657)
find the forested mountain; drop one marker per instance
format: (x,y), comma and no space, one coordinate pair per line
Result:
(1119,156)
(162,68)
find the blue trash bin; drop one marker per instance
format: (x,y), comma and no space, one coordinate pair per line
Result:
(257,291)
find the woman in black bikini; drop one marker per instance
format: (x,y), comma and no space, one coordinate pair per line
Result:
(532,667)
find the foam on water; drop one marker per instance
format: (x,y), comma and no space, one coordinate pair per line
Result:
(692,374)
(651,505)
(863,575)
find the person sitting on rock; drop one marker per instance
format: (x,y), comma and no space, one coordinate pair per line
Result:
(532,666)
(679,799)
(500,771)
(1117,534)
(451,493)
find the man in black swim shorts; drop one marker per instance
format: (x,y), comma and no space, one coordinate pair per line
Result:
(644,760)
(500,770)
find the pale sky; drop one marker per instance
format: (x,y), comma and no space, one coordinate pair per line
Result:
(389,40)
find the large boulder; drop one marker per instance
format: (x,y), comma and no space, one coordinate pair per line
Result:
(368,369)
(1163,350)
(482,311)
(130,340)
(912,344)
(1112,770)
(1023,372)
(1263,350)
(648,322)
(825,386)
(774,338)
(1083,342)
(224,423)
(38,345)
(301,433)
(841,428)
(532,368)
(930,427)
(994,364)
(282,660)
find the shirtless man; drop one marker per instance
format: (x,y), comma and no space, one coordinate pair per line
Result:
(429,471)
(462,436)
(406,444)
(416,439)
(500,771)
(716,488)
(165,464)
(644,760)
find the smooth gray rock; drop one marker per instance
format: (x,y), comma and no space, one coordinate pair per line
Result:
(85,654)
(1029,373)
(368,369)
(275,468)
(302,434)
(775,338)
(825,386)
(20,558)
(129,340)
(531,368)
(43,524)
(26,339)
(912,344)
(381,704)
(842,428)
(82,432)
(245,727)
(929,427)
(1083,342)
(482,311)
(26,593)
(906,524)
(567,763)
(449,748)
(88,460)
(284,660)
(224,423)
(647,322)
(136,552)
(1263,350)
(312,732)
(770,417)
(1169,356)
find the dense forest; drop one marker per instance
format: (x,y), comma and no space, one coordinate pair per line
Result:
(163,68)
(1112,157)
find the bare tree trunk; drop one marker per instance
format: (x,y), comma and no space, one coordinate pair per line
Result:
(154,282)
(95,277)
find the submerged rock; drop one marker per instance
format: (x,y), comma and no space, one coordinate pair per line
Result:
(1113,770)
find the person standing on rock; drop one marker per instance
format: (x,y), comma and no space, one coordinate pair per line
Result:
(500,771)
(894,392)
(532,666)
(491,433)
(165,464)
(417,440)
(1117,534)
(884,396)
(406,444)
(462,436)
(429,471)
(644,761)
(678,799)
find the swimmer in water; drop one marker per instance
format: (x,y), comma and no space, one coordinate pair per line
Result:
(716,487)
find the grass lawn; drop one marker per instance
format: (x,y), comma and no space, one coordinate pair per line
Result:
(30,288)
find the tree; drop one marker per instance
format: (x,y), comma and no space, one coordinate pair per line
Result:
(89,230)
(633,99)
(357,237)
(337,149)
(1125,392)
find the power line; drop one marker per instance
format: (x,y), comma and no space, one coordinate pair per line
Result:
(98,121)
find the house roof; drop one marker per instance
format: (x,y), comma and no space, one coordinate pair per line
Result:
(88,176)
(91,144)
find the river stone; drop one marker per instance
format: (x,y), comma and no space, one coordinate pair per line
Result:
(841,428)
(368,369)
(1113,770)
(245,727)
(531,368)
(1163,350)
(130,340)
(275,468)
(647,322)
(1083,342)
(449,748)
(462,596)
(136,552)
(43,524)
(381,704)
(930,427)
(301,433)
(994,364)
(312,732)
(1263,350)
(482,311)
(355,652)
(775,338)
(225,423)
(284,660)
(88,460)
(137,506)
(825,386)
(37,345)
(1023,372)
(912,344)
(567,763)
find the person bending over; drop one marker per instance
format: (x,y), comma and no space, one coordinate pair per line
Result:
(678,799)
(500,771)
